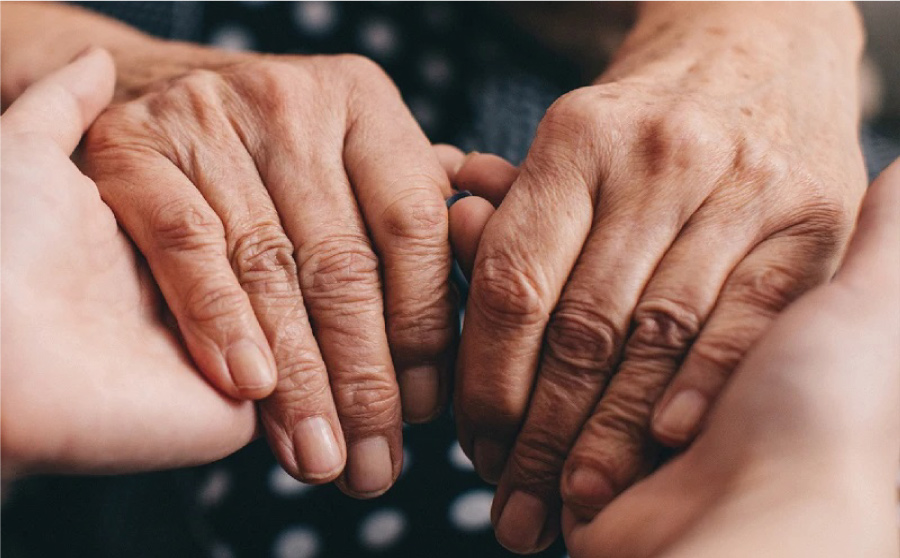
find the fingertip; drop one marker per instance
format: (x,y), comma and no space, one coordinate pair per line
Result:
(450,157)
(486,175)
(678,417)
(64,103)
(252,369)
(468,217)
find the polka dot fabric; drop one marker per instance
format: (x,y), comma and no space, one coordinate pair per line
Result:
(250,507)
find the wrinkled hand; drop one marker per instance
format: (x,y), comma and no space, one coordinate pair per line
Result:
(93,379)
(800,454)
(662,218)
(291,203)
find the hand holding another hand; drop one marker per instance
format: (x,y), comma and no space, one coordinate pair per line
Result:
(292,212)
(94,378)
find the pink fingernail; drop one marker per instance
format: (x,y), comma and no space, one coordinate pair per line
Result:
(249,368)
(370,468)
(679,417)
(521,522)
(316,448)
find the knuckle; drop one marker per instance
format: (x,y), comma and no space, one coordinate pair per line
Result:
(769,288)
(182,226)
(538,458)
(341,267)
(425,335)
(582,338)
(663,329)
(506,295)
(418,216)
(721,353)
(360,67)
(263,260)
(624,414)
(206,303)
(301,379)
(369,402)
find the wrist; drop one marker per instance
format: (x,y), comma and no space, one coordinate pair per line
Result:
(725,44)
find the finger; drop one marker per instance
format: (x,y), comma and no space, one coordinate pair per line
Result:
(401,188)
(771,276)
(300,415)
(485,175)
(63,104)
(665,321)
(583,340)
(522,263)
(468,217)
(184,243)
(450,158)
(873,258)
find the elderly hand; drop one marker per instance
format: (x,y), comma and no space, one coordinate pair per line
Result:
(290,202)
(800,454)
(662,218)
(94,380)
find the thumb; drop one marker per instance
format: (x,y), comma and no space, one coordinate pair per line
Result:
(62,105)
(489,177)
(872,262)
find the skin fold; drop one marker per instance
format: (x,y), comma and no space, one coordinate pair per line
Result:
(799,454)
(664,215)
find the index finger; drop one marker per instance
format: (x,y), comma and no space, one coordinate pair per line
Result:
(63,104)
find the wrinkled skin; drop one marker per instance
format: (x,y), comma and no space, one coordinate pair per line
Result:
(799,455)
(662,218)
(292,213)
(95,378)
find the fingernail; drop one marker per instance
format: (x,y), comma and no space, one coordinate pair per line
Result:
(370,469)
(249,368)
(457,196)
(316,448)
(465,160)
(489,458)
(419,392)
(521,522)
(587,489)
(679,417)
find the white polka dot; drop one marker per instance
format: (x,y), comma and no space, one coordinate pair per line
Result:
(458,458)
(316,18)
(220,550)
(382,529)
(424,111)
(283,484)
(379,38)
(296,542)
(230,37)
(472,510)
(214,488)
(436,70)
